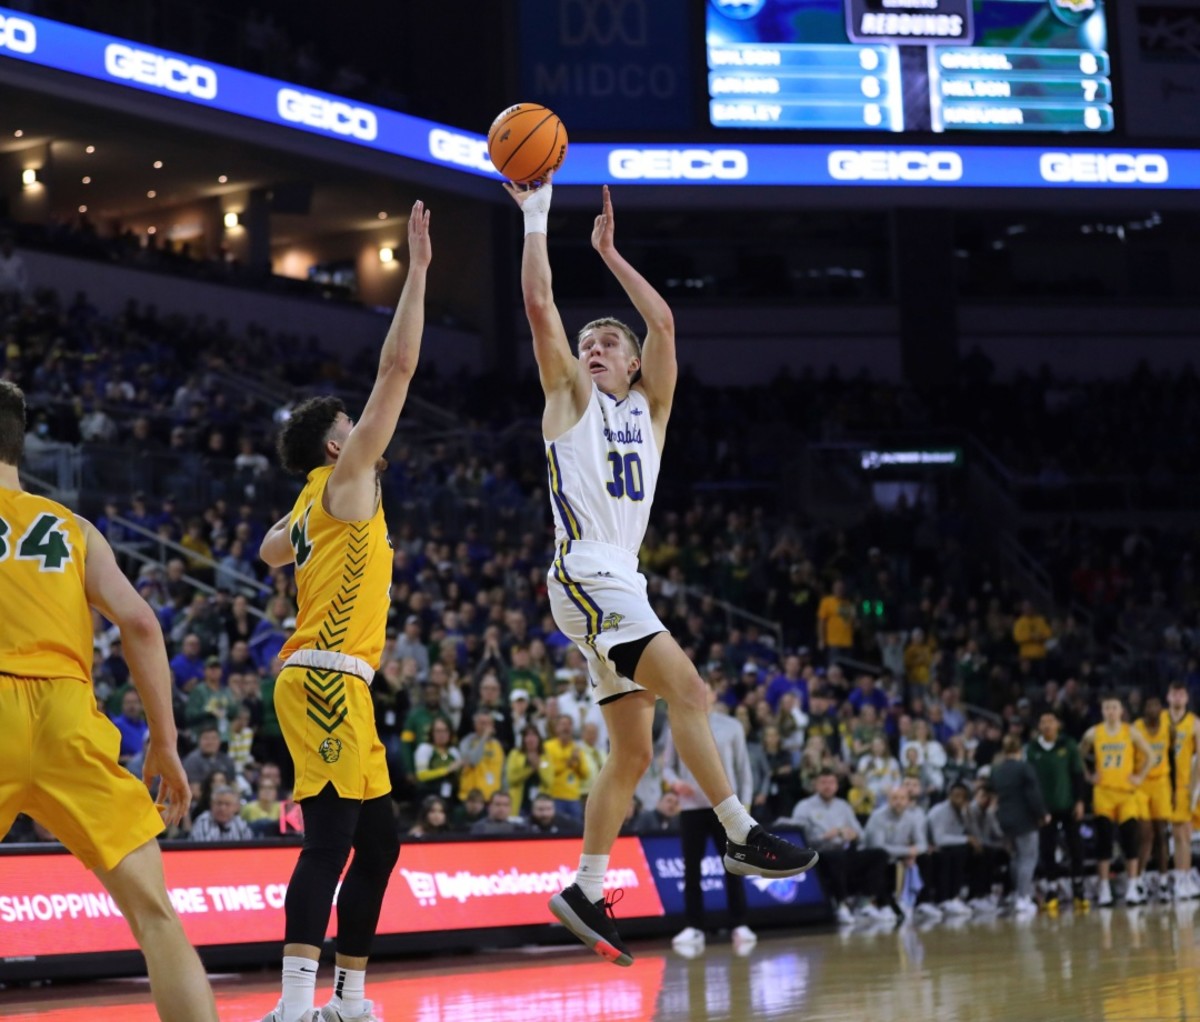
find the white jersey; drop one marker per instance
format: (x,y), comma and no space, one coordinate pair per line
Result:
(603,471)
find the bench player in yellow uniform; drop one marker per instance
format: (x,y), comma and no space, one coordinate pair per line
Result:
(1122,758)
(60,757)
(338,540)
(1156,795)
(1185,782)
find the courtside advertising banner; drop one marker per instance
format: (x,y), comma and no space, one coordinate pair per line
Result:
(666,864)
(51,905)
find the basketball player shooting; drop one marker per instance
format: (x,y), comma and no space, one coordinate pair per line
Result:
(604,426)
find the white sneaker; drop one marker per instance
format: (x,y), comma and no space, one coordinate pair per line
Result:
(874,914)
(928,910)
(1104,896)
(844,916)
(333,1012)
(1024,907)
(744,937)
(690,939)
(276,1015)
(1135,893)
(954,907)
(983,906)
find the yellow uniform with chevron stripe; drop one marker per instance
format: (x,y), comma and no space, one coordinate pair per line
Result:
(343,577)
(59,763)
(1183,745)
(1156,788)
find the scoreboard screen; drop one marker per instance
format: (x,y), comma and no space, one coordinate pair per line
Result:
(909,65)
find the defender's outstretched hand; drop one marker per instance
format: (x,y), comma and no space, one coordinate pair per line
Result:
(603,229)
(420,251)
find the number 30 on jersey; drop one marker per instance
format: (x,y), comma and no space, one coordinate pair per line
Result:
(626,476)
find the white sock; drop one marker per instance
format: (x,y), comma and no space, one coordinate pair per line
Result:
(734,818)
(590,876)
(299,987)
(349,985)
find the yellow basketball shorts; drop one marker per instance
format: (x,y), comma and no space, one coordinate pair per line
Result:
(328,722)
(1156,798)
(60,767)
(1118,806)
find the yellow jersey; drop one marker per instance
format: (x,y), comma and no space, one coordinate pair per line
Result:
(47,623)
(1183,748)
(566,780)
(343,577)
(1114,758)
(1159,744)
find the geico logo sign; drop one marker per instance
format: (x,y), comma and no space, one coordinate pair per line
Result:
(462,150)
(18,35)
(910,165)
(161,72)
(678,164)
(1115,168)
(327,114)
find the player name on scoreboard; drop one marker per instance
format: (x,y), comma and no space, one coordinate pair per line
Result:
(797,85)
(1020,90)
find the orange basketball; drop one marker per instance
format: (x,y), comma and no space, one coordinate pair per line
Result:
(526,141)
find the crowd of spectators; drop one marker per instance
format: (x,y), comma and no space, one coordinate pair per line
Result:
(893,656)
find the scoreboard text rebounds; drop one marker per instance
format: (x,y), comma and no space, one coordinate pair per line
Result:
(909,65)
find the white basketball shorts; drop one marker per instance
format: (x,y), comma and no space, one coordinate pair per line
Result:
(599,601)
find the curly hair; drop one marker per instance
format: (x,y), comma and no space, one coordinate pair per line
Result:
(301,442)
(12,423)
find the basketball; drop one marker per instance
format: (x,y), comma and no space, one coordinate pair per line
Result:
(526,142)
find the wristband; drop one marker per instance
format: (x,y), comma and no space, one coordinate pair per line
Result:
(537,209)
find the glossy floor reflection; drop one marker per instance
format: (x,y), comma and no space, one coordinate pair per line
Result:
(1121,965)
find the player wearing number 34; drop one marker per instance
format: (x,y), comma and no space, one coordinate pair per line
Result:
(604,425)
(60,753)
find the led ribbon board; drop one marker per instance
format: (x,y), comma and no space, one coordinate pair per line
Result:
(204,83)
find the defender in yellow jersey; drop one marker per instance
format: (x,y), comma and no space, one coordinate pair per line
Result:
(1185,780)
(1155,793)
(336,537)
(1122,758)
(60,758)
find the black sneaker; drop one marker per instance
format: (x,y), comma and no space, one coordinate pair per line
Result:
(592,922)
(766,855)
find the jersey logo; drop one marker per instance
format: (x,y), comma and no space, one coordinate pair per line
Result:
(330,750)
(635,411)
(612,622)
(299,537)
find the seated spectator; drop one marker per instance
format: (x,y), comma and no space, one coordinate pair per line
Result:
(271,632)
(829,825)
(207,756)
(469,811)
(782,780)
(131,722)
(432,819)
(498,819)
(790,679)
(898,831)
(589,743)
(568,768)
(662,819)
(437,762)
(863,731)
(860,797)
(187,666)
(950,846)
(544,820)
(222,822)
(526,770)
(865,693)
(880,770)
(990,865)
(482,758)
(263,813)
(960,765)
(210,700)
(409,644)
